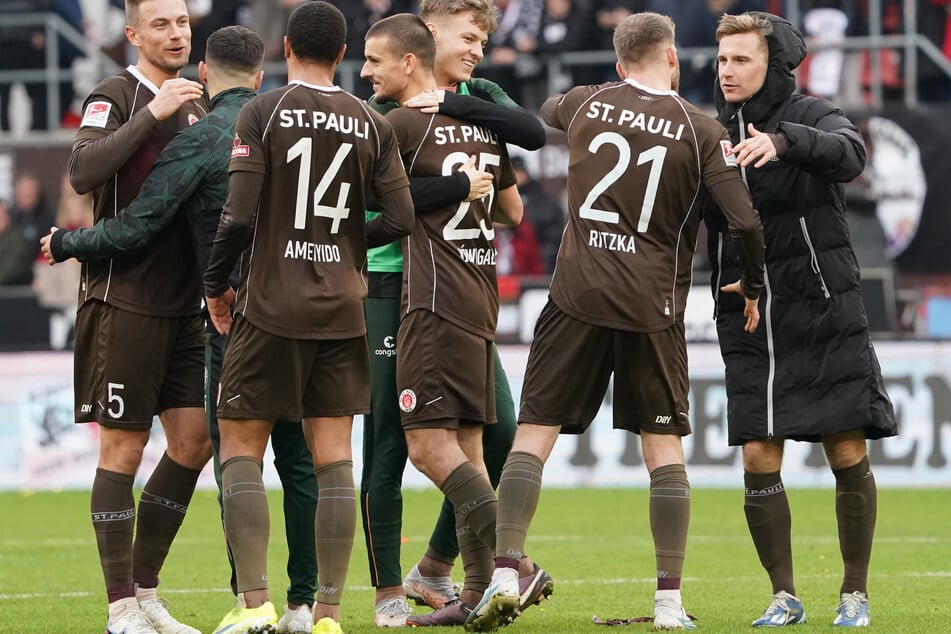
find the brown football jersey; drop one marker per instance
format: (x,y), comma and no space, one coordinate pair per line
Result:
(449,258)
(638,159)
(304,274)
(162,280)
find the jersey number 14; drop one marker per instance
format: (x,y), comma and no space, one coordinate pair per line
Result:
(303,150)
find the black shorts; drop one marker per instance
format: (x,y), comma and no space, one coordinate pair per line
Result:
(445,376)
(570,364)
(267,377)
(129,367)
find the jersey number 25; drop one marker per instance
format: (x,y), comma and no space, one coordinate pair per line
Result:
(452,231)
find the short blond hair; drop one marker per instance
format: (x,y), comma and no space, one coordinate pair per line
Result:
(642,37)
(744,23)
(484,12)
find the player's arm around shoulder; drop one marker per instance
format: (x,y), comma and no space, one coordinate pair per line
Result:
(490,106)
(176,175)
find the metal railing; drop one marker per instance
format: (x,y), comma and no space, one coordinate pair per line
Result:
(554,66)
(54,27)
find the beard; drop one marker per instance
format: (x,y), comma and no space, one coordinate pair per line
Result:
(170,66)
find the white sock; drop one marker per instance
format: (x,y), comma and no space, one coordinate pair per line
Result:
(504,575)
(667,594)
(146,594)
(121,606)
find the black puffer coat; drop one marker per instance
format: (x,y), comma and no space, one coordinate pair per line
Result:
(810,369)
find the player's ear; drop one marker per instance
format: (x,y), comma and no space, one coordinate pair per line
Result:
(287,48)
(409,63)
(433,29)
(258,79)
(620,71)
(203,72)
(131,35)
(340,55)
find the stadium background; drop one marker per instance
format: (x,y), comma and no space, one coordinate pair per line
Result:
(894,81)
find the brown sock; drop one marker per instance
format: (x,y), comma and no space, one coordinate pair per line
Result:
(335,523)
(474,500)
(769,521)
(856,507)
(435,555)
(162,507)
(476,559)
(246,520)
(670,518)
(112,507)
(519,489)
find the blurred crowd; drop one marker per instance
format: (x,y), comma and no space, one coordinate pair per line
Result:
(530,32)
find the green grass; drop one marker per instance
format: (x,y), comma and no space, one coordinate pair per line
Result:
(595,543)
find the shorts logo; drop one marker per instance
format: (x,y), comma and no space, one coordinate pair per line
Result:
(662,420)
(727,148)
(239,150)
(96,114)
(408,400)
(192,119)
(388,349)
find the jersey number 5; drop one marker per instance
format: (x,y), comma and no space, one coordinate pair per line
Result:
(655,156)
(303,150)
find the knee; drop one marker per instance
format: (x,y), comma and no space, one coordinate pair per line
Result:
(661,450)
(845,453)
(192,452)
(433,464)
(762,457)
(420,458)
(122,458)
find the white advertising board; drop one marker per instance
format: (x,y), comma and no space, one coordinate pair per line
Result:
(40,447)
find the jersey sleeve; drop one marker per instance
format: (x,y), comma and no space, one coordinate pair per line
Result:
(716,153)
(247,151)
(559,111)
(107,137)
(389,173)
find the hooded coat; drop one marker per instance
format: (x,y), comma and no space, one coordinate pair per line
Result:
(809,370)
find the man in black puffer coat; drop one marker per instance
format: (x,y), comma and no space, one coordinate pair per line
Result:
(811,373)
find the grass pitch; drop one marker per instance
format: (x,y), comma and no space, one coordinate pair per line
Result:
(595,543)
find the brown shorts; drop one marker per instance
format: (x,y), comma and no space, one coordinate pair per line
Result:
(445,376)
(129,367)
(268,377)
(570,364)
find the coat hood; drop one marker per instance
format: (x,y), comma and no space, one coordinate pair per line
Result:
(787,49)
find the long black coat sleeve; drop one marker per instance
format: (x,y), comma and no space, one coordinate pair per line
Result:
(826,144)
